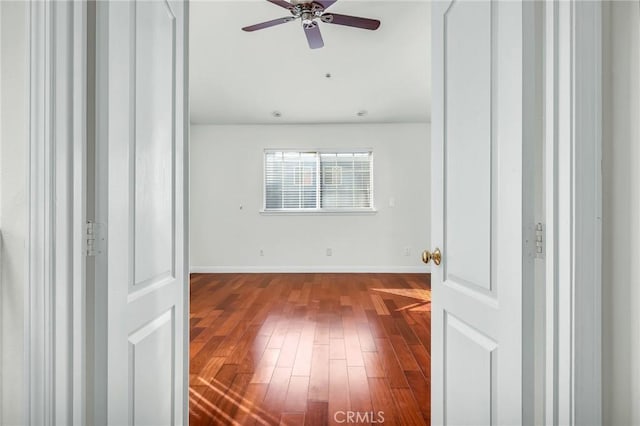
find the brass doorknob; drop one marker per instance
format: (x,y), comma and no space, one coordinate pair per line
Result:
(436,256)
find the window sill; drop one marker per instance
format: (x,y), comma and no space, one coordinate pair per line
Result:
(320,212)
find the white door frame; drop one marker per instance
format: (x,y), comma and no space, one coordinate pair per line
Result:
(54,290)
(573,185)
(54,293)
(573,204)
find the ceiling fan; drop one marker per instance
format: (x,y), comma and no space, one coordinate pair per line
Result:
(309,12)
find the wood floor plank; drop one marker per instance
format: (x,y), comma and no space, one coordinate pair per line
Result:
(317,413)
(322,335)
(338,388)
(319,379)
(373,365)
(379,305)
(274,399)
(302,362)
(206,335)
(359,394)
(422,358)
(226,375)
(209,318)
(279,333)
(202,411)
(195,331)
(404,355)
(420,388)
(337,349)
(269,349)
(305,293)
(382,400)
(406,331)
(365,301)
(211,368)
(232,401)
(353,351)
(423,329)
(336,331)
(252,398)
(392,368)
(253,352)
(292,419)
(293,296)
(389,324)
(228,322)
(199,413)
(407,408)
(296,400)
(266,365)
(375,325)
(232,339)
(367,344)
(289,349)
(194,348)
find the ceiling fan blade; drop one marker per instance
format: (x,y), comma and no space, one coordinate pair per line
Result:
(313,36)
(351,21)
(281,3)
(268,24)
(325,3)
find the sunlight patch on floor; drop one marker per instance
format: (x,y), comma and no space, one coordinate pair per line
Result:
(422,295)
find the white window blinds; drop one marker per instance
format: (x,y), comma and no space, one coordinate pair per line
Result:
(329,181)
(346,180)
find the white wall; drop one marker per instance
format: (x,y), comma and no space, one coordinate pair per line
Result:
(13,156)
(621,215)
(226,173)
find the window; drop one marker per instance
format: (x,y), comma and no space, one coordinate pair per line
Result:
(318,181)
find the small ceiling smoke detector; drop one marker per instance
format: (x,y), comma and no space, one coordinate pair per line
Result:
(276,114)
(362,113)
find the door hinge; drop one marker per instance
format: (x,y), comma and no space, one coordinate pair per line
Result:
(539,240)
(95,238)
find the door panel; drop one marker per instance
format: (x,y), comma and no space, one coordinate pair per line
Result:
(154,32)
(469,376)
(481,205)
(467,143)
(141,137)
(151,363)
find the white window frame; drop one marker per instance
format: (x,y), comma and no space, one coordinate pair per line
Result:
(318,210)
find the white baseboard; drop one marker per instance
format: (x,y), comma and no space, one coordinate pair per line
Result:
(311,269)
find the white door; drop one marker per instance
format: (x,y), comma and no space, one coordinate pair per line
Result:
(142,142)
(482,204)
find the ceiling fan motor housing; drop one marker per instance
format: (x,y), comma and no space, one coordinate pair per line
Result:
(308,20)
(307,11)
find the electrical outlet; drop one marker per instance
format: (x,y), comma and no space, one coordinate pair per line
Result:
(407,251)
(261,252)
(329,252)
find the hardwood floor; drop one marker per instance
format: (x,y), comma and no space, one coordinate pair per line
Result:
(310,349)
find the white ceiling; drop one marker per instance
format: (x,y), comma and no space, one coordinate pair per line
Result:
(239,77)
